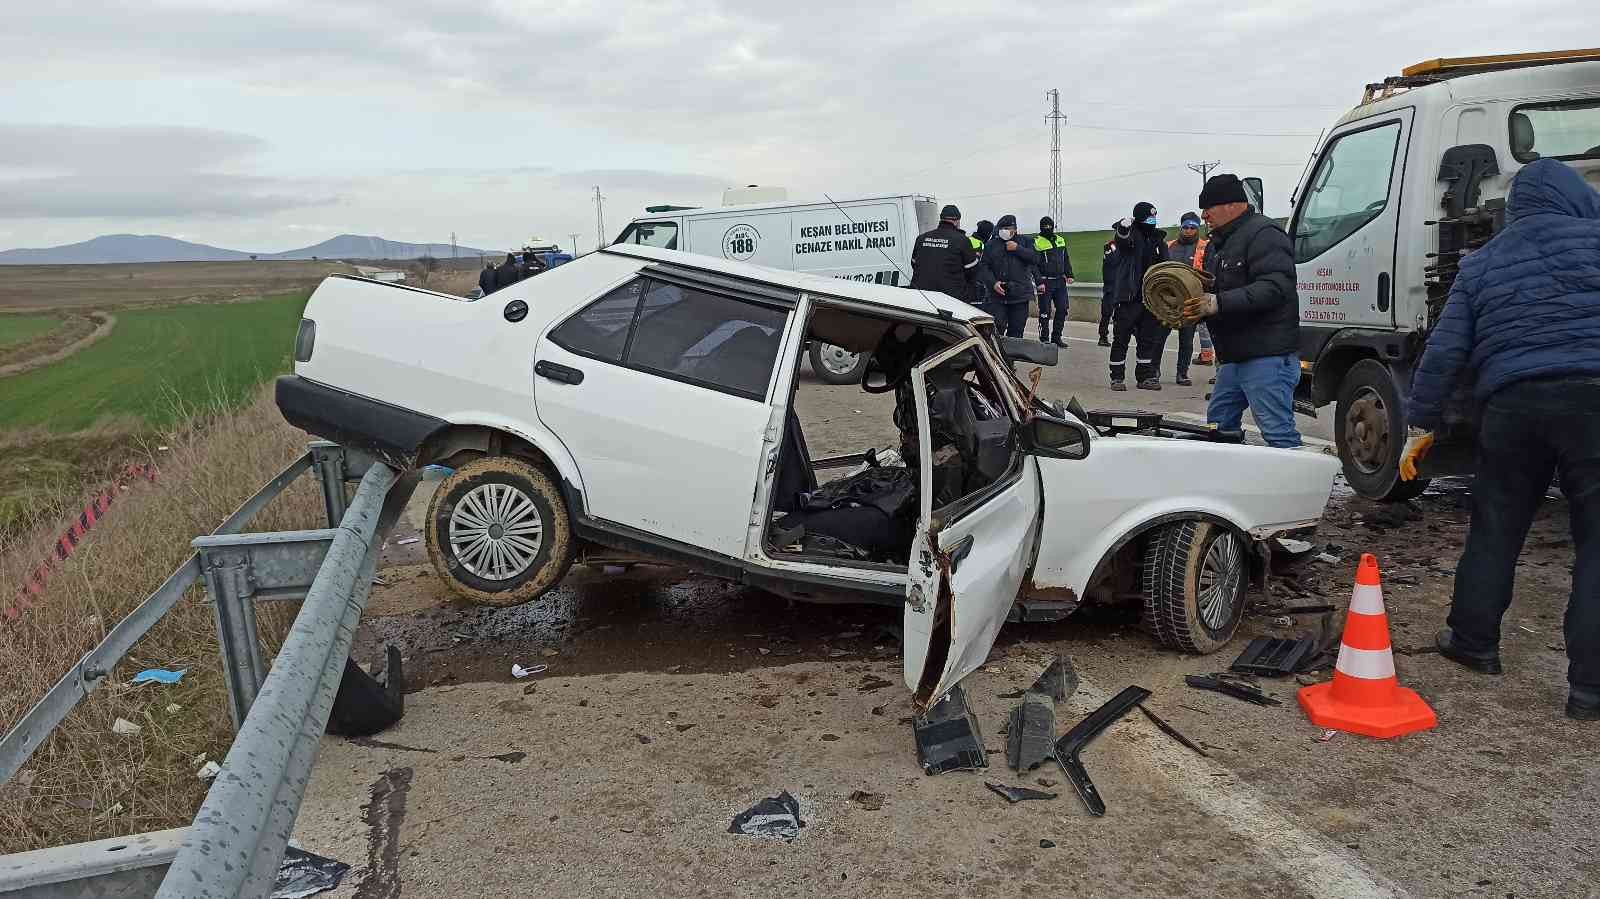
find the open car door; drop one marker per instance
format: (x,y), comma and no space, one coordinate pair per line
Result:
(970,554)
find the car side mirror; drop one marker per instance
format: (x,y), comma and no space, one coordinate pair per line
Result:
(1056,437)
(1255,192)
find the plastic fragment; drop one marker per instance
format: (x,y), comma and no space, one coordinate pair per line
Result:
(774,818)
(124,727)
(159,676)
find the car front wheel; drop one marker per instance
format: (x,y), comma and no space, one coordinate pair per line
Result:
(837,365)
(499,533)
(1195,579)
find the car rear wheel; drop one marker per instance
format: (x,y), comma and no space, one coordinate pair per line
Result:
(836,365)
(499,533)
(1370,429)
(1195,579)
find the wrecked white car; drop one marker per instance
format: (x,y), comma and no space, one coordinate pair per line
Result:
(642,400)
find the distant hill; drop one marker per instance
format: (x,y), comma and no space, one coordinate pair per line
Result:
(156,248)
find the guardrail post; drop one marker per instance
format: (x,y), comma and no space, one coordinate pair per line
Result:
(332,468)
(229,583)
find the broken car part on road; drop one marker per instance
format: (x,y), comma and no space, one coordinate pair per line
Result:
(1172,732)
(775,818)
(947,736)
(1014,795)
(1227,686)
(1275,656)
(1069,746)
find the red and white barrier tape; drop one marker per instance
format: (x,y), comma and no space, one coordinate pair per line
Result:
(69,540)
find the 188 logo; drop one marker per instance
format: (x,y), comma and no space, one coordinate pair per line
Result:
(739,244)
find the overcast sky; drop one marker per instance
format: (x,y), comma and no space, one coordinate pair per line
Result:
(266,125)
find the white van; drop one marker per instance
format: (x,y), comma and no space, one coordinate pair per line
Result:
(867,239)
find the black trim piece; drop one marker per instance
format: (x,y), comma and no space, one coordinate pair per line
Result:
(1069,746)
(351,420)
(738,288)
(555,371)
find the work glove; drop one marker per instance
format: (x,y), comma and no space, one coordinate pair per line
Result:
(1197,308)
(1416,450)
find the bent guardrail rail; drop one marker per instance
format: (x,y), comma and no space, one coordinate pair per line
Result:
(238,838)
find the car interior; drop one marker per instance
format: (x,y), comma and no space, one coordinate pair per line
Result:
(861,508)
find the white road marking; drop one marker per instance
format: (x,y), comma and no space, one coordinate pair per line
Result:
(1321,866)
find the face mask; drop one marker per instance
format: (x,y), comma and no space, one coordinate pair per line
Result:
(1047,230)
(1150,221)
(1006,233)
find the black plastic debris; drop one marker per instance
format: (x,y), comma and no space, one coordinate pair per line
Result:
(869,801)
(1172,732)
(774,818)
(305,873)
(1047,844)
(1218,683)
(947,736)
(1274,656)
(1058,680)
(364,705)
(1015,795)
(1069,746)
(510,758)
(1031,732)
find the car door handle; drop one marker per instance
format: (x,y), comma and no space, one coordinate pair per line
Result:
(563,374)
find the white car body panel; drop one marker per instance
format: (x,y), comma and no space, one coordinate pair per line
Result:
(1091,505)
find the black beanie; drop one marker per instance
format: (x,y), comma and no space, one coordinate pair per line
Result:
(1142,211)
(950,212)
(1222,189)
(1006,221)
(984,229)
(1047,223)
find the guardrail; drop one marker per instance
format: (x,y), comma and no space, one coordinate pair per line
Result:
(238,838)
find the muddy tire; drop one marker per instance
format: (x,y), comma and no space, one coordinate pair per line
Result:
(835,365)
(499,533)
(1369,427)
(1196,575)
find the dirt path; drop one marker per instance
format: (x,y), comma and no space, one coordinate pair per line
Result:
(104,323)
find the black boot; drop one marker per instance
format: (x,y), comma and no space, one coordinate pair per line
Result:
(1044,330)
(1150,384)
(1481,662)
(1118,385)
(1583,705)
(1104,340)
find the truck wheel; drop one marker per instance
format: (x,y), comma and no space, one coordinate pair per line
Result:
(499,533)
(1195,578)
(1369,427)
(836,365)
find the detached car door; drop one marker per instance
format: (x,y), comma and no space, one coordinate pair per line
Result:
(975,539)
(659,389)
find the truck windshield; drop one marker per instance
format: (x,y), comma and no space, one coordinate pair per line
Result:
(1566,130)
(651,234)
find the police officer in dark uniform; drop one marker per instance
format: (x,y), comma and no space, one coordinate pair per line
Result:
(944,259)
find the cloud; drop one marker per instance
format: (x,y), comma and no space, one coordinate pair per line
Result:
(642,180)
(153,195)
(133,150)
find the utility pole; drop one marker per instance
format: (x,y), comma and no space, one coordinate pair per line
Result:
(574,236)
(455,251)
(1055,118)
(1204,168)
(599,219)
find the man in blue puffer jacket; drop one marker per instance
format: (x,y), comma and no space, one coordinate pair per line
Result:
(1524,317)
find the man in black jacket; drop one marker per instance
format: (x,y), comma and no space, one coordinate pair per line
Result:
(486,279)
(1006,276)
(1055,273)
(944,259)
(508,273)
(1140,244)
(1108,289)
(1253,315)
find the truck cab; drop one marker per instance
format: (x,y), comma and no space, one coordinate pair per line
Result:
(1400,189)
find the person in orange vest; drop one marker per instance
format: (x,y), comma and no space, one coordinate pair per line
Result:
(1190,249)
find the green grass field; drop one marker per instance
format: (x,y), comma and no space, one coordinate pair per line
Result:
(15,329)
(157,363)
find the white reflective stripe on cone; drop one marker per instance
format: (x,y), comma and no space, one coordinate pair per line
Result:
(1368,600)
(1367,664)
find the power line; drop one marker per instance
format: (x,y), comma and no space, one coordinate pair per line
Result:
(1055,118)
(1200,133)
(1209,105)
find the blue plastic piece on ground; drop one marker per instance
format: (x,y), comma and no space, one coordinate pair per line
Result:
(159,676)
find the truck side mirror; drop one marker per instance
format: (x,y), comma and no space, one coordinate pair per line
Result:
(1256,192)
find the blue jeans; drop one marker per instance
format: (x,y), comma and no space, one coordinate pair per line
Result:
(1266,385)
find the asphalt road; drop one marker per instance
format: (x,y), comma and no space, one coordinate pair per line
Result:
(672,703)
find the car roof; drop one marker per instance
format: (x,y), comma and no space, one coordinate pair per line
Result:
(923,302)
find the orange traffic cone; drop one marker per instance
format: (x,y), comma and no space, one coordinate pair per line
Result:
(1364,696)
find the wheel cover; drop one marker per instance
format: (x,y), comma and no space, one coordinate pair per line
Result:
(496,531)
(1366,429)
(1220,581)
(837,360)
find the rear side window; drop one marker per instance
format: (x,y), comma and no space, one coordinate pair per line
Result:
(706,338)
(652,234)
(682,333)
(1569,130)
(600,330)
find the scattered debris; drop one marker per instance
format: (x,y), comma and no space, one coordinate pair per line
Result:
(124,727)
(775,817)
(364,705)
(369,743)
(1031,732)
(872,683)
(519,672)
(878,710)
(1308,610)
(643,739)
(683,727)
(869,801)
(209,771)
(1221,683)
(514,706)
(830,738)
(510,758)
(1327,558)
(1046,844)
(1045,782)
(174,708)
(1274,656)
(1059,679)
(549,653)
(1296,547)
(1283,621)
(529,689)
(947,736)
(1014,795)
(1326,736)
(158,676)
(1069,746)
(1307,680)
(1171,731)
(407,541)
